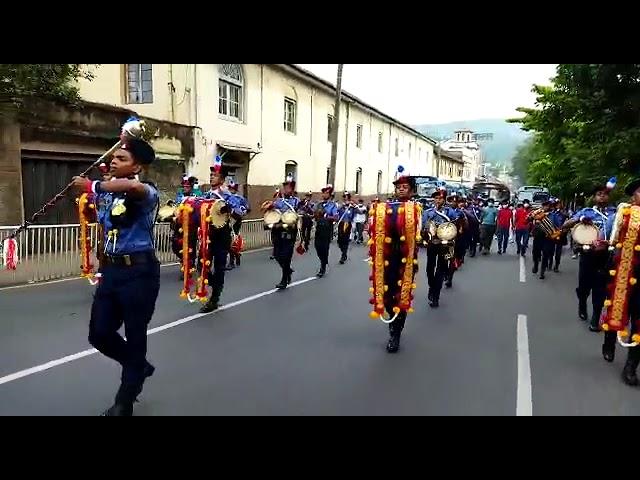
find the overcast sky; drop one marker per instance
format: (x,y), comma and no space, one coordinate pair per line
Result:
(429,93)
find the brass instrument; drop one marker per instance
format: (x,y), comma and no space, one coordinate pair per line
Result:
(546,225)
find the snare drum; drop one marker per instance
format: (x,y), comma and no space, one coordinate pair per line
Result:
(584,235)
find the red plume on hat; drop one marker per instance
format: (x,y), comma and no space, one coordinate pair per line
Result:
(104,168)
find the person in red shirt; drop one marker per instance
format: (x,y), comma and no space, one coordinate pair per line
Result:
(505,220)
(522,227)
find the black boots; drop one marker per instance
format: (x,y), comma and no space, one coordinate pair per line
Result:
(213,302)
(582,309)
(609,346)
(393,345)
(322,272)
(535,268)
(286,280)
(594,325)
(343,259)
(434,301)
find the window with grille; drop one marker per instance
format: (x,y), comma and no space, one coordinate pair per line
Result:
(139,83)
(359,136)
(230,91)
(379,187)
(397,151)
(289,115)
(358,188)
(379,142)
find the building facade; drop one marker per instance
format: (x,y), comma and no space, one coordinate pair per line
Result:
(268,120)
(465,144)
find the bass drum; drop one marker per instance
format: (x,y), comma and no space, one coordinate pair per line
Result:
(290,219)
(584,235)
(272,218)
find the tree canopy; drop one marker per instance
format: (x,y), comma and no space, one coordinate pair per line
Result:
(586,128)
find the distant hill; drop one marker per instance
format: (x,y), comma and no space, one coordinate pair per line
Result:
(499,151)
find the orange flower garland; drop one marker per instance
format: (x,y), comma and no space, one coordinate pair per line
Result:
(382,229)
(615,315)
(86,216)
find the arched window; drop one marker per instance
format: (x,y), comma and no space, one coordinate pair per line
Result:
(291,169)
(379,187)
(230,90)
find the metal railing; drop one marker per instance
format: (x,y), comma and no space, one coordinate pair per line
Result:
(50,252)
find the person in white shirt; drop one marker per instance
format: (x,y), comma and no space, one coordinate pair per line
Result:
(360,221)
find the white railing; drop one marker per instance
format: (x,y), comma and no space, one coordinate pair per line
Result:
(49,252)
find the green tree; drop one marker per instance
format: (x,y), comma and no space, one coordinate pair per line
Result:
(56,82)
(586,127)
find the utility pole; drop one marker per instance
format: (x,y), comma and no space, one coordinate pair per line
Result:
(334,130)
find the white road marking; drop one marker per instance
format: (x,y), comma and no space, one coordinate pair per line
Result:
(50,282)
(524,405)
(523,271)
(76,356)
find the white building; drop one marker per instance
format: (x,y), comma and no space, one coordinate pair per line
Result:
(465,143)
(267,120)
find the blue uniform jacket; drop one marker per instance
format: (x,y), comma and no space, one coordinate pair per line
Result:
(436,216)
(286,204)
(601,219)
(128,223)
(236,203)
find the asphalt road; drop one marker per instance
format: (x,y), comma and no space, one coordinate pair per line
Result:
(312,349)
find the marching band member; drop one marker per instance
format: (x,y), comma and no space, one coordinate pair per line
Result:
(345,225)
(475,214)
(326,214)
(234,257)
(437,261)
(394,238)
(462,241)
(542,247)
(220,238)
(558,217)
(285,238)
(130,271)
(176,236)
(622,306)
(592,273)
(305,210)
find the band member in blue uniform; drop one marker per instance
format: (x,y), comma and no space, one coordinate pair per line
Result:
(236,221)
(474,214)
(220,238)
(305,210)
(345,223)
(438,255)
(462,240)
(285,238)
(325,214)
(130,271)
(593,271)
(558,217)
